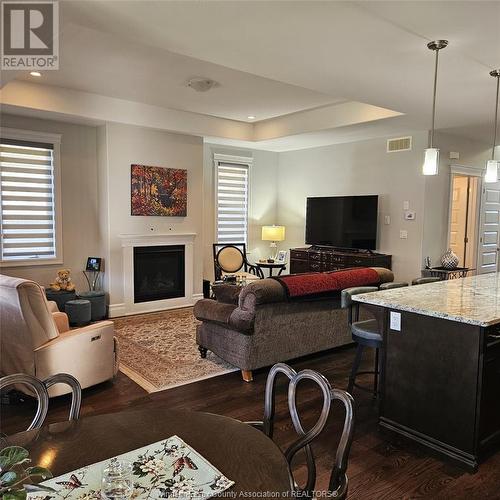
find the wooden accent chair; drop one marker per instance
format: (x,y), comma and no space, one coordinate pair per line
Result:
(231,258)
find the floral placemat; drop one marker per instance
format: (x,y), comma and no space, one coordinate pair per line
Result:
(165,469)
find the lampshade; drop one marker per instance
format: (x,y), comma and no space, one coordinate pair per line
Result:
(491,174)
(431,162)
(273,233)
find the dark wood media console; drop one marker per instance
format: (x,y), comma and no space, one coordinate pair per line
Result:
(303,260)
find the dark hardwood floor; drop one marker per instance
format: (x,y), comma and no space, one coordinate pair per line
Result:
(381,466)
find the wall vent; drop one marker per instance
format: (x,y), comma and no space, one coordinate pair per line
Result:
(399,144)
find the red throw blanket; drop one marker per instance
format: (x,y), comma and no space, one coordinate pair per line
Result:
(327,284)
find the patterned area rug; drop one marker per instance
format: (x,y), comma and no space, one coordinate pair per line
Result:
(159,350)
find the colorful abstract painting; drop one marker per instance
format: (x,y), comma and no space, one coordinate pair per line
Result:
(158,191)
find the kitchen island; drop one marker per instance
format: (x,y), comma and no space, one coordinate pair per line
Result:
(440,383)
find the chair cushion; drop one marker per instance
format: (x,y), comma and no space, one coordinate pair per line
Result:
(248,276)
(230,259)
(366,330)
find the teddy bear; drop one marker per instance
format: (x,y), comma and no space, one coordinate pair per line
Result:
(63,281)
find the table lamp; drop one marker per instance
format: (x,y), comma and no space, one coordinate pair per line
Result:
(273,234)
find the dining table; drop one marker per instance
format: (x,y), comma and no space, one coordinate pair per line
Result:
(241,452)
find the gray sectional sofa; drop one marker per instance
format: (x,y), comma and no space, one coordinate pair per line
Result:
(257,326)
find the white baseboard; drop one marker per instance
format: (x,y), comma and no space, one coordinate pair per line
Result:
(116,310)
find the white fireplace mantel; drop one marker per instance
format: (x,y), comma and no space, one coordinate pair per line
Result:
(144,240)
(128,242)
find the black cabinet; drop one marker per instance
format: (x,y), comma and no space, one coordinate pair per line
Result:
(441,385)
(321,259)
(490,391)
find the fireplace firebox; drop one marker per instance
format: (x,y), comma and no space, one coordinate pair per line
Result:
(159,272)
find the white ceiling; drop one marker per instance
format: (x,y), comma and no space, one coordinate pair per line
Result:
(111,65)
(273,58)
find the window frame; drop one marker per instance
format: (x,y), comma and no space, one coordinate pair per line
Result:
(55,141)
(237,160)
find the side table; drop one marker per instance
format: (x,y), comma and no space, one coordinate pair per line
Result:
(281,266)
(60,297)
(447,274)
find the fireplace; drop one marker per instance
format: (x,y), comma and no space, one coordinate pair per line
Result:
(159,272)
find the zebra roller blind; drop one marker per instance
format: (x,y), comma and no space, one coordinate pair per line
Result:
(232,202)
(27,200)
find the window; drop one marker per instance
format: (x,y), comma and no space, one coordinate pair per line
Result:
(29,198)
(232,198)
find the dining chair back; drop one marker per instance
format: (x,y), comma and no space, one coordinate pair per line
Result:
(40,389)
(232,258)
(338,479)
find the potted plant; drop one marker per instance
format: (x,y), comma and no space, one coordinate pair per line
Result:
(17,476)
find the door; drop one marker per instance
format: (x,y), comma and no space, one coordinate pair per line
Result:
(464,214)
(489,229)
(458,219)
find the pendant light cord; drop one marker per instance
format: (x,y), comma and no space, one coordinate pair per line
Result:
(431,142)
(495,127)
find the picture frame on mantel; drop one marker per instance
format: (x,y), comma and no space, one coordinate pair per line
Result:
(158,191)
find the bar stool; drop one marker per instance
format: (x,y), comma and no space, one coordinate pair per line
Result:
(391,285)
(365,333)
(423,281)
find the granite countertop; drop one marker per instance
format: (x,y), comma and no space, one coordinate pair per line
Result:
(474,300)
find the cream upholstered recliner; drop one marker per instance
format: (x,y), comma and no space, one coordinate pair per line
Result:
(35,339)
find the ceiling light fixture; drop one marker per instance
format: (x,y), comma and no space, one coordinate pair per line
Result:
(431,157)
(35,73)
(201,84)
(251,117)
(492,166)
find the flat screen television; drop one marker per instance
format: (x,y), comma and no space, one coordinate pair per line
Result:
(342,221)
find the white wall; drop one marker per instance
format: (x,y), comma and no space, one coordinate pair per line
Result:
(120,146)
(80,212)
(364,167)
(263,199)
(96,193)
(437,190)
(355,169)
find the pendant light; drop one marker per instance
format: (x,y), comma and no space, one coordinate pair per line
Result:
(431,157)
(492,166)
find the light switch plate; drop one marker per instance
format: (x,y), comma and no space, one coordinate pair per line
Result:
(395,321)
(406,205)
(403,234)
(387,220)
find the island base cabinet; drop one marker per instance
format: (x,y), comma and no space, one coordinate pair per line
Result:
(490,391)
(439,385)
